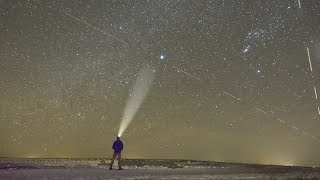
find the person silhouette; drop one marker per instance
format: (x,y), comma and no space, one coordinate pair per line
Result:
(117,147)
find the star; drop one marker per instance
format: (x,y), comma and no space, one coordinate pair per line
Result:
(246,49)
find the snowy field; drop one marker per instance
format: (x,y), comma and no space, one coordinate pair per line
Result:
(146,169)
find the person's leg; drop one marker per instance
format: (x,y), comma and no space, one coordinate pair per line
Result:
(113,158)
(119,161)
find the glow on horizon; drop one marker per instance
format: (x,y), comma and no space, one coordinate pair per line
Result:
(283,160)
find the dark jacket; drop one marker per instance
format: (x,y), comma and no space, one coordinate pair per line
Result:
(117,146)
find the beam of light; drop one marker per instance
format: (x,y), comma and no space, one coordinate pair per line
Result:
(95,28)
(139,92)
(315,92)
(187,73)
(319,110)
(299,3)
(310,64)
(231,95)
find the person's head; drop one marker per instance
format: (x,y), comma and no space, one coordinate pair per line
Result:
(118,138)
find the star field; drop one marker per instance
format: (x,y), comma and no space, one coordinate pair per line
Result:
(235,81)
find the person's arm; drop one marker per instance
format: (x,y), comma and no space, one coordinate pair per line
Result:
(113,146)
(121,146)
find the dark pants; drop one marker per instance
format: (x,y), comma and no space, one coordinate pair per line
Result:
(114,157)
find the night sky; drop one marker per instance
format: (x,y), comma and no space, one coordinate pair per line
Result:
(235,80)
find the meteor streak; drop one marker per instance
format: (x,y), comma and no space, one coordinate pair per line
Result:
(315,138)
(310,64)
(297,129)
(305,133)
(278,119)
(314,87)
(231,95)
(95,28)
(281,121)
(299,3)
(187,73)
(315,92)
(260,110)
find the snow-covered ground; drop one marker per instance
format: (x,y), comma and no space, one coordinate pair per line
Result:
(146,169)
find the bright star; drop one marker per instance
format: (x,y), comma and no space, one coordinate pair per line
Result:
(246,49)
(162,57)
